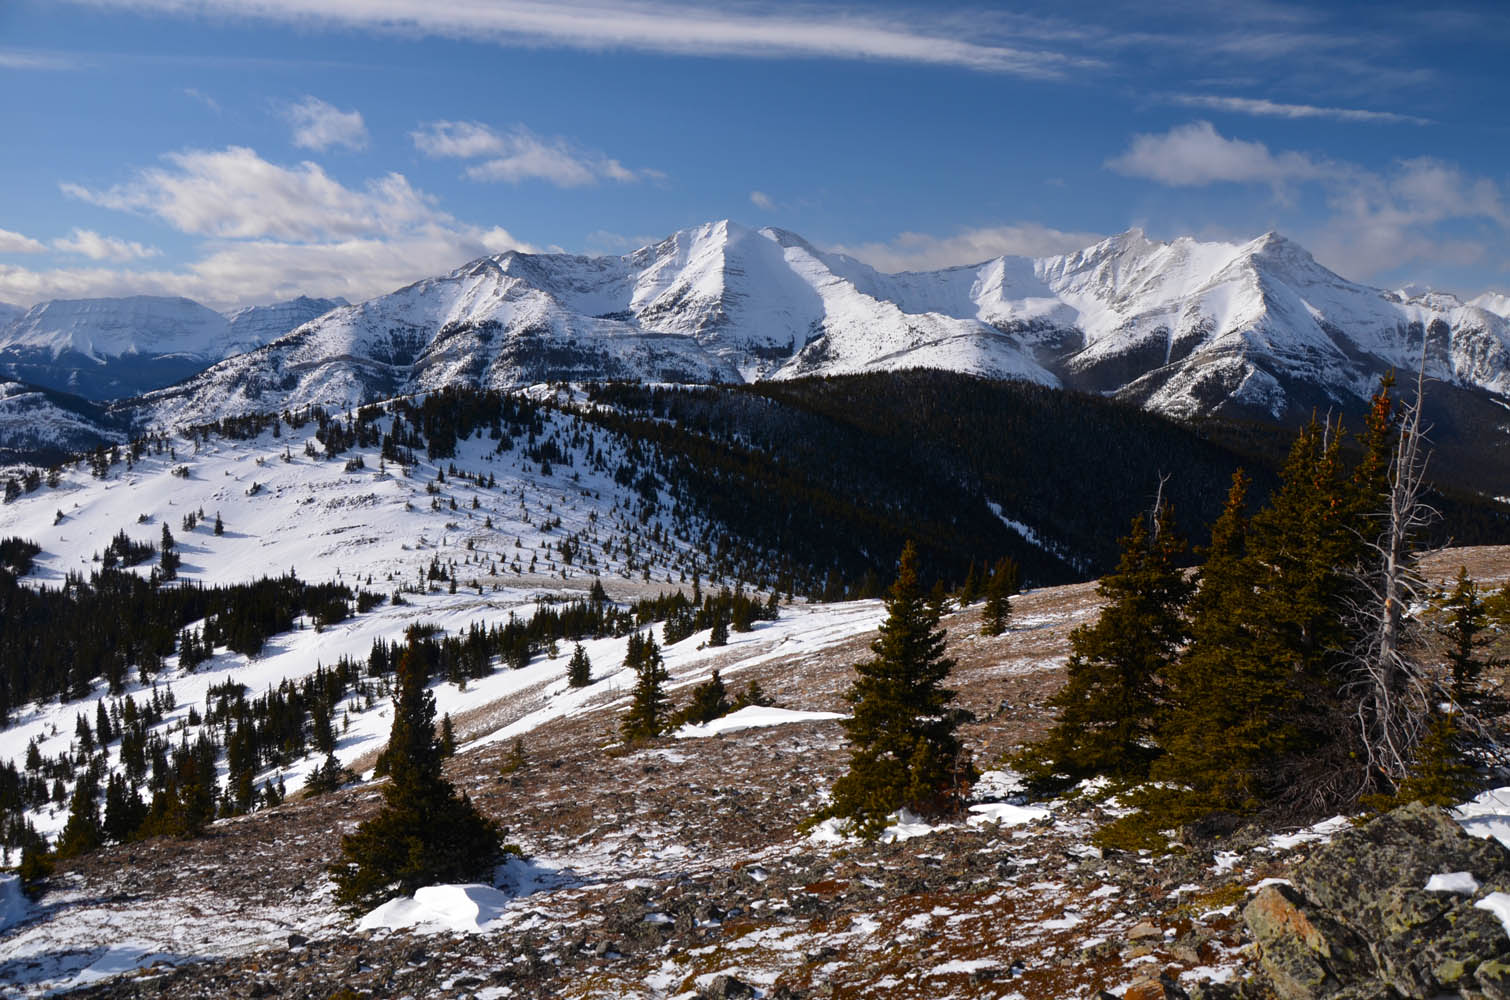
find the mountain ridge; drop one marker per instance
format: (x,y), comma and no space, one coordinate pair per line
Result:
(1185,328)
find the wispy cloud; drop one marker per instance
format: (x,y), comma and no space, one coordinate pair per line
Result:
(761,30)
(203,98)
(319,126)
(519,155)
(24,59)
(762,200)
(1274,109)
(16,243)
(925,251)
(88,243)
(269,231)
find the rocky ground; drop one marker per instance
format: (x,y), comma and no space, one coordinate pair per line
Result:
(678,869)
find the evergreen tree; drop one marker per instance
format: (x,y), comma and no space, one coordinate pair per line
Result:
(219,526)
(579,670)
(447,736)
(1110,706)
(970,589)
(904,748)
(124,809)
(649,706)
(1227,700)
(710,700)
(1466,623)
(82,833)
(993,618)
(1306,547)
(718,635)
(424,832)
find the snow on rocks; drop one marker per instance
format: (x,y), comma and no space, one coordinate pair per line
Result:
(461,909)
(1487,815)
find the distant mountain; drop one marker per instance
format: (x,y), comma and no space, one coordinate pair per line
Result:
(1185,328)
(112,348)
(43,425)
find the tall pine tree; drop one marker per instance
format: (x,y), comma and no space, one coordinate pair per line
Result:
(1110,706)
(425,833)
(649,707)
(905,750)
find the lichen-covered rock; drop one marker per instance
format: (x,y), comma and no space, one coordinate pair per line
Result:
(1360,925)
(1352,877)
(1306,955)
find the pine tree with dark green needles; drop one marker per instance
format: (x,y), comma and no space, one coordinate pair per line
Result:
(718,635)
(998,608)
(1110,706)
(904,747)
(710,700)
(425,833)
(83,832)
(1464,632)
(649,706)
(579,669)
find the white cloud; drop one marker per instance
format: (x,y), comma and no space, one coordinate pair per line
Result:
(924,251)
(319,126)
(16,243)
(762,200)
(1272,109)
(520,155)
(1378,221)
(271,231)
(689,29)
(462,140)
(1196,154)
(236,194)
(91,244)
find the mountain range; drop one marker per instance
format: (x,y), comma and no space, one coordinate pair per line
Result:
(1255,330)
(105,349)
(1185,328)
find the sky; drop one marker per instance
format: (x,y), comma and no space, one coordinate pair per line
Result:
(244,151)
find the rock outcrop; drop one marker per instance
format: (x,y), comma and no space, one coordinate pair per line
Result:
(1360,922)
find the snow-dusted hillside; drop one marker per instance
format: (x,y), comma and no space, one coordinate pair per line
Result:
(35,421)
(112,348)
(1184,327)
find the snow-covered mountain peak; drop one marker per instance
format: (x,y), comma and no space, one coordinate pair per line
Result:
(139,324)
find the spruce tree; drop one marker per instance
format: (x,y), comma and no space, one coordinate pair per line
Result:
(904,747)
(83,832)
(1464,630)
(993,618)
(424,833)
(710,700)
(649,706)
(1110,705)
(579,670)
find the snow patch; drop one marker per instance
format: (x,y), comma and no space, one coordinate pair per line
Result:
(752,717)
(462,909)
(1462,883)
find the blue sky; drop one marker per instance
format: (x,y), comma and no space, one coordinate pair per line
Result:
(239,151)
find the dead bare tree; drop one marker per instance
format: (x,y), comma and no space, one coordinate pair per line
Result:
(1387,683)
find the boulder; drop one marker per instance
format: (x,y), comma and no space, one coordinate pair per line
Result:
(1360,925)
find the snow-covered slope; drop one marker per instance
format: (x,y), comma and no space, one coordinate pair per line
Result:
(112,348)
(1183,327)
(253,326)
(38,423)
